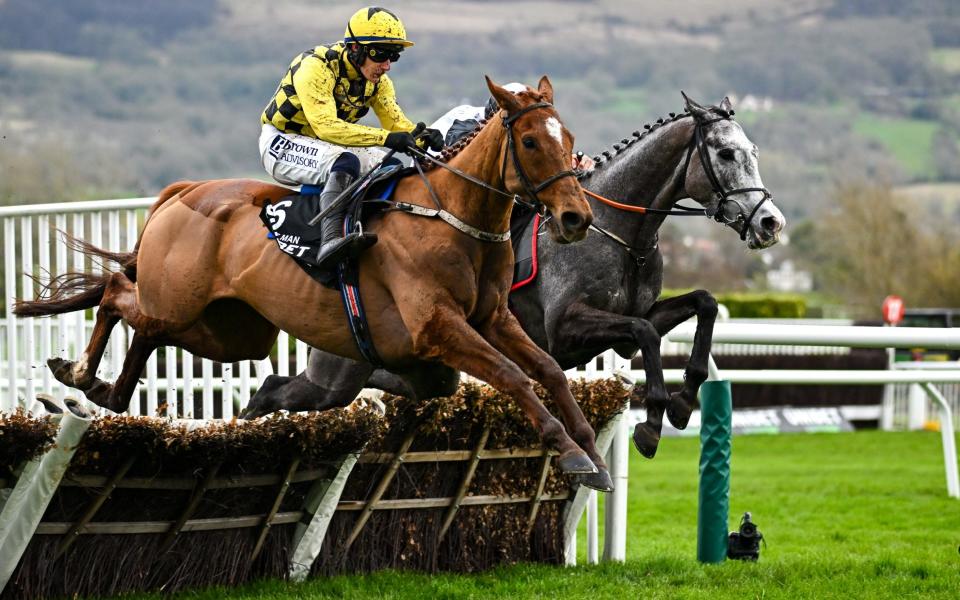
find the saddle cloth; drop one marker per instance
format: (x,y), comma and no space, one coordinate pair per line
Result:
(287,221)
(288,218)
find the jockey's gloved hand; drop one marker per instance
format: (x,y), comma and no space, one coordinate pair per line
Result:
(432,139)
(401,141)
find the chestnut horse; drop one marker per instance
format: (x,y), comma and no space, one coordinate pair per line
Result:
(204,277)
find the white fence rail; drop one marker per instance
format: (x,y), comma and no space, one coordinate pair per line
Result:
(860,337)
(194,388)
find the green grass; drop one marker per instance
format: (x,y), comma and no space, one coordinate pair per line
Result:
(630,102)
(907,140)
(947,58)
(858,515)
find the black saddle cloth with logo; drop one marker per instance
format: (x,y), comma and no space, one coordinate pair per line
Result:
(288,220)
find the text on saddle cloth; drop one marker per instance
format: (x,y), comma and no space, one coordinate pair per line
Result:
(287,219)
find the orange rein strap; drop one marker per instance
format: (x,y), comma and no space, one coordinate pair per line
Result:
(679,211)
(621,206)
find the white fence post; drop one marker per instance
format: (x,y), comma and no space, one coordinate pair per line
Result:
(26,254)
(615,505)
(948,440)
(887,408)
(10,287)
(593,555)
(916,408)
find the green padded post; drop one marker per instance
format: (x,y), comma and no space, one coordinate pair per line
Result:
(716,407)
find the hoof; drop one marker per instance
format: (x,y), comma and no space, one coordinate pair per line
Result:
(600,481)
(249,414)
(646,439)
(679,411)
(576,462)
(62,371)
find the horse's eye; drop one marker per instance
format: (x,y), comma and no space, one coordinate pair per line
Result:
(529,143)
(727,154)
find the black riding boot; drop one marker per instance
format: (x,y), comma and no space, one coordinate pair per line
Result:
(336,246)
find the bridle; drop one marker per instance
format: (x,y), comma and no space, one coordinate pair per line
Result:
(723,196)
(528,186)
(698,141)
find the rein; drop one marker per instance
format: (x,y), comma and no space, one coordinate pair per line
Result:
(456,223)
(723,196)
(679,211)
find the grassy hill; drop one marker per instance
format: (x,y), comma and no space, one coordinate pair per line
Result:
(121,97)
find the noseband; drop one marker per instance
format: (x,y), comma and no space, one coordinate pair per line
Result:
(485,236)
(723,196)
(528,187)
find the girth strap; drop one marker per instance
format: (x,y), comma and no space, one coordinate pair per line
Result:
(348,276)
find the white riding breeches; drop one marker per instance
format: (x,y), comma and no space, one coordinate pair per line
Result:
(294,159)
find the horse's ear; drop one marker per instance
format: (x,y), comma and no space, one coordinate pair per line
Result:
(546,89)
(699,113)
(504,98)
(726,106)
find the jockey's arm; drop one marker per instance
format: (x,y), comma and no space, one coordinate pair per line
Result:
(385,106)
(314,83)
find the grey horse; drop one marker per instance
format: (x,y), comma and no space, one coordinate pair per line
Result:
(603,292)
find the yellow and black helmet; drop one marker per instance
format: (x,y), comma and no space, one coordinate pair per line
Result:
(375,25)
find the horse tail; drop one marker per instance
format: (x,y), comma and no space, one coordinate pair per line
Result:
(76,291)
(79,291)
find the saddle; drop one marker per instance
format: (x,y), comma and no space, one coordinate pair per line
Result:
(288,219)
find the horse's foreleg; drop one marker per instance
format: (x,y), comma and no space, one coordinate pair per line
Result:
(583,326)
(506,335)
(442,333)
(667,314)
(329,381)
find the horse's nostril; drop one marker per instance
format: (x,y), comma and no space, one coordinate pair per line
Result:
(771,224)
(571,221)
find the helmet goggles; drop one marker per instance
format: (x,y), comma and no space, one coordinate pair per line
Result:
(383,52)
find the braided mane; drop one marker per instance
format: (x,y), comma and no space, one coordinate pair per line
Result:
(604,158)
(451,151)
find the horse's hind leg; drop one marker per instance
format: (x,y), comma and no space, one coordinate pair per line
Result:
(81,374)
(667,314)
(116,397)
(329,381)
(119,302)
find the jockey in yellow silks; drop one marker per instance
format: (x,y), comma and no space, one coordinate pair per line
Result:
(309,132)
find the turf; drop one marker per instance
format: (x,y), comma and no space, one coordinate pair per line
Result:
(907,140)
(856,515)
(947,58)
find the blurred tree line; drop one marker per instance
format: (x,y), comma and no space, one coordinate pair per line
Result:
(112,98)
(873,242)
(170,92)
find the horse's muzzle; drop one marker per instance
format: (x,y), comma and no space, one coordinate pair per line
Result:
(573,226)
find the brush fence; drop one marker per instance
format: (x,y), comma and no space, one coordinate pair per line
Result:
(72,527)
